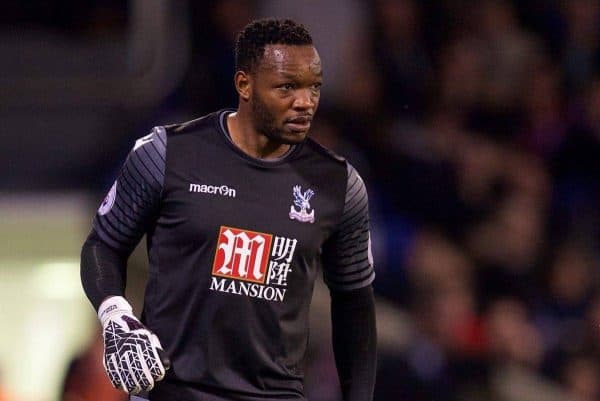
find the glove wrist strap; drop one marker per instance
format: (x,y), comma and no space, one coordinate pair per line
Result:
(112,305)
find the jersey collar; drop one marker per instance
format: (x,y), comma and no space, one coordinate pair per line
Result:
(221,122)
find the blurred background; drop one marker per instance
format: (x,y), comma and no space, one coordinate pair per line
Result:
(475,124)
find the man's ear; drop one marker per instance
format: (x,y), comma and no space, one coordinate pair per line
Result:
(243,84)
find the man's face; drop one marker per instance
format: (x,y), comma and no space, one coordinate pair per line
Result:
(286,87)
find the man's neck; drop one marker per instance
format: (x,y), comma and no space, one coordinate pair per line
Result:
(257,145)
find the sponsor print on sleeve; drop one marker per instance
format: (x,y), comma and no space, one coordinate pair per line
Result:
(108,201)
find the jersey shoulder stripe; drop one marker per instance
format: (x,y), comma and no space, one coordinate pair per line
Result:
(348,263)
(131,204)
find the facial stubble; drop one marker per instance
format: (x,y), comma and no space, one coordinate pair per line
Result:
(266,123)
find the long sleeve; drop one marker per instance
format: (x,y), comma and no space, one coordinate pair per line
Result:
(126,214)
(348,271)
(103,270)
(354,336)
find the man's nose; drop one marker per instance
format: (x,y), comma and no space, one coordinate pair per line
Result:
(305,99)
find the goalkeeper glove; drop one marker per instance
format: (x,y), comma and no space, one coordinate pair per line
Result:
(133,357)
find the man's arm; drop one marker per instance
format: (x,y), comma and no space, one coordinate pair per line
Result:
(133,356)
(348,271)
(129,209)
(103,270)
(354,338)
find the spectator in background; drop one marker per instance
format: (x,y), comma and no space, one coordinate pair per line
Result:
(516,352)
(403,63)
(208,83)
(581,47)
(507,246)
(562,313)
(592,329)
(576,169)
(581,377)
(545,124)
(460,76)
(444,357)
(510,335)
(509,53)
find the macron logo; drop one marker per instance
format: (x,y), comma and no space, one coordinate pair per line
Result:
(222,190)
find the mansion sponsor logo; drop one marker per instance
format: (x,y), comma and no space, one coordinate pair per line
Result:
(252,263)
(247,289)
(222,190)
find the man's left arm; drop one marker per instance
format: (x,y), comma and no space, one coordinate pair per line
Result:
(355,342)
(348,272)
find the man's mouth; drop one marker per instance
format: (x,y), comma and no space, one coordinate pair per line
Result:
(299,123)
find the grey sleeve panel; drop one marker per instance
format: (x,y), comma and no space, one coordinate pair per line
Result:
(132,203)
(347,259)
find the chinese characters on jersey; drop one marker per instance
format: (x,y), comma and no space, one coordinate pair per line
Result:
(252,263)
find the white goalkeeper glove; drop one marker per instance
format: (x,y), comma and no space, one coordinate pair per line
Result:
(133,357)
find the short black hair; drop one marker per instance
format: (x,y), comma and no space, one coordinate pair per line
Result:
(251,41)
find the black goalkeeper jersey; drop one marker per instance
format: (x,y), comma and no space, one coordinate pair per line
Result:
(234,246)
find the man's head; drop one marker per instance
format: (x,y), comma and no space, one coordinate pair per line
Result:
(278,78)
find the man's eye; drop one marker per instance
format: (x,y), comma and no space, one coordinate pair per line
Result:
(317,86)
(286,87)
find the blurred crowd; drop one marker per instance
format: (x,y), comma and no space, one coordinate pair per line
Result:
(476,126)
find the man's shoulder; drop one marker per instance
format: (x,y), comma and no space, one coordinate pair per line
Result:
(327,153)
(192,126)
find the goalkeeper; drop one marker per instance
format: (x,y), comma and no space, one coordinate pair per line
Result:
(240,210)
